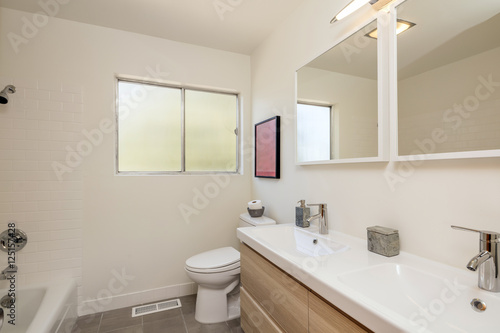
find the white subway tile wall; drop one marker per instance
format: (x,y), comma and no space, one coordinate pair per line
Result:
(41,120)
(478,131)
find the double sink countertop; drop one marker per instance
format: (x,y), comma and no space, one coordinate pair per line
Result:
(404,293)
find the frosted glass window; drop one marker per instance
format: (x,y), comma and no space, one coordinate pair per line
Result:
(173,130)
(313,133)
(210,131)
(149,127)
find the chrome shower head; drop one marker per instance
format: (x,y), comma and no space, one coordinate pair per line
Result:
(4,94)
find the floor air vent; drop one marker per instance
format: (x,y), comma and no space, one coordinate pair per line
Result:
(157,307)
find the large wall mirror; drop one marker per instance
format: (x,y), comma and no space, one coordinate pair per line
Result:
(338,103)
(448,79)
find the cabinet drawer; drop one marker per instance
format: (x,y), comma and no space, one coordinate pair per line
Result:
(283,298)
(324,318)
(253,318)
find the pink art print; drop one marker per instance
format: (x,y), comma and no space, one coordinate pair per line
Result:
(267,148)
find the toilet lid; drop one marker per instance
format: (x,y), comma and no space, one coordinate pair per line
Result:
(233,268)
(214,259)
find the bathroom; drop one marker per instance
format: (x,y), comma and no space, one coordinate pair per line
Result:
(96,226)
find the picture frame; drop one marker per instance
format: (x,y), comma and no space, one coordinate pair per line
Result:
(267,148)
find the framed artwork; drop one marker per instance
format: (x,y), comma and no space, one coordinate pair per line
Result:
(267,148)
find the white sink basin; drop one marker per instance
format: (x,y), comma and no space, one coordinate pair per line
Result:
(426,301)
(314,245)
(295,241)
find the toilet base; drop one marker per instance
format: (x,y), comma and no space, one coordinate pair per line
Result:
(233,306)
(215,306)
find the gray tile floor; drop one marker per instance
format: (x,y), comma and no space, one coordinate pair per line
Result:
(179,320)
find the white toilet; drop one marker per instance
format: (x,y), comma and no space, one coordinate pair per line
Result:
(217,273)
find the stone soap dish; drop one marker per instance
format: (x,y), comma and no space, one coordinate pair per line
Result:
(383,241)
(256,212)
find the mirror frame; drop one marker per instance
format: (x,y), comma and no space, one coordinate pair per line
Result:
(393,96)
(382,92)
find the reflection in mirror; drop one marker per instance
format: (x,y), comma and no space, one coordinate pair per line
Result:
(344,79)
(315,132)
(449,77)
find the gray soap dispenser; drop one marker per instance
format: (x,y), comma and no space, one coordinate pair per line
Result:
(302,213)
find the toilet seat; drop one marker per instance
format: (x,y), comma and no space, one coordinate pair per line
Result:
(236,265)
(214,261)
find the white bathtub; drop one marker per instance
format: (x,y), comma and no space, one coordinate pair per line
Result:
(44,308)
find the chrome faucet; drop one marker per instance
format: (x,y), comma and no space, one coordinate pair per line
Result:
(322,216)
(486,262)
(7,272)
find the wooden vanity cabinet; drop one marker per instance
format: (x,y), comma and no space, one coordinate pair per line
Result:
(254,319)
(279,295)
(323,318)
(273,301)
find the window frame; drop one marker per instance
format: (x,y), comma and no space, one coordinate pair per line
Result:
(183,89)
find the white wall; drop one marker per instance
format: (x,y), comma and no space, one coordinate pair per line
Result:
(457,84)
(131,224)
(422,203)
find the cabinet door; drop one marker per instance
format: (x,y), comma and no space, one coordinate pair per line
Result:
(324,318)
(253,317)
(283,298)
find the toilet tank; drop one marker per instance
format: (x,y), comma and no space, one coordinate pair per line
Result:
(247,221)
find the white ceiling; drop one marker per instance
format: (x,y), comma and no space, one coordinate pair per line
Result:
(451,31)
(231,25)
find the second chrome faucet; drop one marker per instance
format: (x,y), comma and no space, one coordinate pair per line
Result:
(486,262)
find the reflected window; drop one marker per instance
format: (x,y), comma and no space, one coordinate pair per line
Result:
(314,130)
(173,130)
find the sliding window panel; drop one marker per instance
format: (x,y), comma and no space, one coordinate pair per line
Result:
(149,127)
(211,131)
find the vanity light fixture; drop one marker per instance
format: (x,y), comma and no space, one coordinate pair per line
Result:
(401,26)
(354,5)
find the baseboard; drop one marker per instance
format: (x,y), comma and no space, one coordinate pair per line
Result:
(93,306)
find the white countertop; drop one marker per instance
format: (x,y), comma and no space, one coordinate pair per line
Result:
(404,293)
